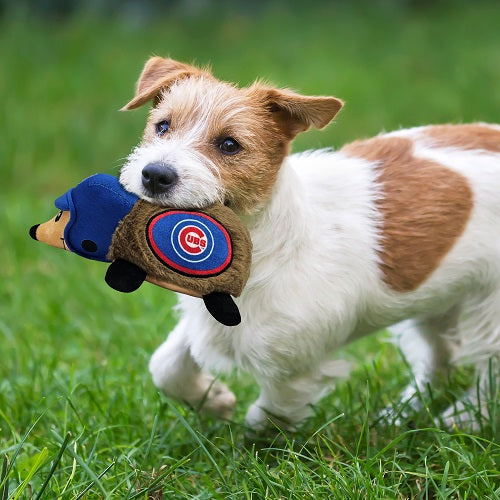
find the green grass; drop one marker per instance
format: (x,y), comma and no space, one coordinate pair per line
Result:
(78,411)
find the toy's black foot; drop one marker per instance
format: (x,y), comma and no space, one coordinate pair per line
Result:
(124,276)
(222,307)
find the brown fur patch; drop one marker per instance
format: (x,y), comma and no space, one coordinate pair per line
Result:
(474,136)
(425,208)
(159,73)
(295,113)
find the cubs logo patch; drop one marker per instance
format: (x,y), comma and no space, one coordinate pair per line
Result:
(191,243)
(193,240)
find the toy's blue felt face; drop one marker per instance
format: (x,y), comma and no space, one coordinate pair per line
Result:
(96,207)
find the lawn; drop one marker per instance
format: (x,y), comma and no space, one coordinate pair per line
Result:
(79,415)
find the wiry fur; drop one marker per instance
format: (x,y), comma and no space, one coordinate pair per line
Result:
(317,223)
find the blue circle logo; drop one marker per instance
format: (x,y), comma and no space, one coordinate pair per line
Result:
(191,243)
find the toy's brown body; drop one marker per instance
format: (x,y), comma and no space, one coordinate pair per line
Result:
(131,245)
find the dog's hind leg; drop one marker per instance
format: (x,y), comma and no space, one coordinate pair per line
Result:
(475,404)
(478,343)
(177,374)
(426,346)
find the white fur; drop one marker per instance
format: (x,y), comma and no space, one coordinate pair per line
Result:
(197,185)
(315,282)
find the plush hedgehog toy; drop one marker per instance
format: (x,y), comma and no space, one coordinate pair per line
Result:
(205,253)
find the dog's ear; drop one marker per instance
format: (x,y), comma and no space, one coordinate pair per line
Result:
(159,73)
(295,113)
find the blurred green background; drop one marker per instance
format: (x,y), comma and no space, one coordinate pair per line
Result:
(77,350)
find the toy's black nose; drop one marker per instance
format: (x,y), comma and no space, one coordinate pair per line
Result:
(33,231)
(158,178)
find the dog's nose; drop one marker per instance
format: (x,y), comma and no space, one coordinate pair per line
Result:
(158,178)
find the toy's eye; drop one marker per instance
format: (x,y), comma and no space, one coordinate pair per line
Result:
(58,216)
(162,127)
(89,246)
(229,146)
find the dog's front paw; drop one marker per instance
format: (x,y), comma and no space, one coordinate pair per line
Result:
(261,421)
(256,418)
(218,401)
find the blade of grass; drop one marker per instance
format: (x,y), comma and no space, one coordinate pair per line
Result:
(71,476)
(444,479)
(82,464)
(164,473)
(40,460)
(80,495)
(9,425)
(18,448)
(153,430)
(364,432)
(4,490)
(325,425)
(54,466)
(196,437)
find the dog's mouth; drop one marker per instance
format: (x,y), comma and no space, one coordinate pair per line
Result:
(159,200)
(163,199)
(175,199)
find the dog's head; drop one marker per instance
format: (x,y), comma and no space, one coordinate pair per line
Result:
(207,140)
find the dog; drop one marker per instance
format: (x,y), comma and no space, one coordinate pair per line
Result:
(401,229)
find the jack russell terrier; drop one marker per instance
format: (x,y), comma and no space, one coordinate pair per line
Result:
(402,229)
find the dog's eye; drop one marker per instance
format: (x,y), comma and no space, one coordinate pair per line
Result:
(162,127)
(229,146)
(58,216)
